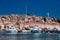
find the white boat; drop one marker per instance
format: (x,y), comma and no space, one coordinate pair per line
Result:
(36,28)
(26,31)
(11,30)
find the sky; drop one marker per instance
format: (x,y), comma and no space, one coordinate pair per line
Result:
(36,7)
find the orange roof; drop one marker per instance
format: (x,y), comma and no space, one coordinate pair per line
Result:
(29,16)
(39,22)
(32,22)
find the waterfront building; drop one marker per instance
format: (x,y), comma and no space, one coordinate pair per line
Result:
(22,21)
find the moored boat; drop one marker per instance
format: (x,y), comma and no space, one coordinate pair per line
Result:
(35,30)
(12,30)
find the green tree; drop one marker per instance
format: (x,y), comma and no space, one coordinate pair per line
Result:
(58,20)
(44,19)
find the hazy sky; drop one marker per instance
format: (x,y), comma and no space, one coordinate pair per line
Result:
(37,7)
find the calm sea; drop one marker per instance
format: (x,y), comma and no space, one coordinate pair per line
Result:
(29,36)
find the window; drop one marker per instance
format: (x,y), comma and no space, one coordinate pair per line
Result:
(4,26)
(0,27)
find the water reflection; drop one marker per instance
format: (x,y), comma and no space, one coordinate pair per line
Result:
(30,36)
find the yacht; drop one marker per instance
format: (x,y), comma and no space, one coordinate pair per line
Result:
(26,31)
(35,29)
(11,30)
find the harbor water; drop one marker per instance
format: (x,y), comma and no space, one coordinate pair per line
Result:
(30,36)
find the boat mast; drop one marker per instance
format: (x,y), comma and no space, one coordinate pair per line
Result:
(25,11)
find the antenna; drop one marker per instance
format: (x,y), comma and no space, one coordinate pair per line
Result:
(26,11)
(48,14)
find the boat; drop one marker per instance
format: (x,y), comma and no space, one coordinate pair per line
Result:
(26,30)
(58,30)
(40,29)
(11,30)
(35,29)
(55,30)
